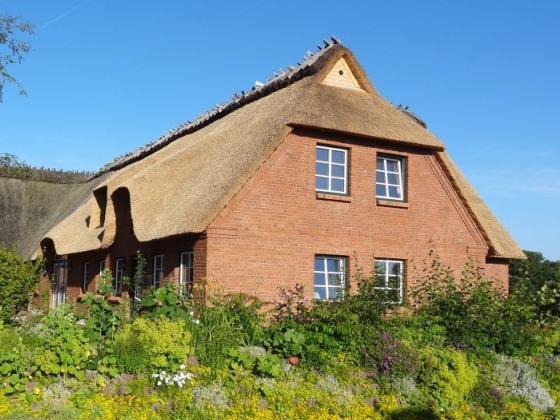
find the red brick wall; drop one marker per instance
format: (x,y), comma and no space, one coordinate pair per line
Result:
(270,232)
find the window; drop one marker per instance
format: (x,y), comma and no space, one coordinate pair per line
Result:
(158,270)
(389,178)
(186,275)
(331,169)
(85,278)
(329,277)
(101,267)
(119,274)
(389,279)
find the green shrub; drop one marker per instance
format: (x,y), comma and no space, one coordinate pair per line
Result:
(17,280)
(231,321)
(14,367)
(131,355)
(164,301)
(289,342)
(472,312)
(65,349)
(103,318)
(259,362)
(445,376)
(167,343)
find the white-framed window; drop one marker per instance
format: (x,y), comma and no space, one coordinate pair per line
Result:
(85,277)
(186,274)
(119,274)
(158,270)
(329,277)
(389,279)
(331,170)
(389,180)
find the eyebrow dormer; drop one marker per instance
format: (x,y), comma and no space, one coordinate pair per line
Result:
(99,207)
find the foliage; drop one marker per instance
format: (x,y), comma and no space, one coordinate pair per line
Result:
(446,375)
(164,301)
(289,342)
(12,49)
(13,167)
(105,283)
(291,304)
(231,321)
(259,362)
(519,379)
(473,313)
(103,318)
(131,354)
(18,278)
(167,342)
(389,357)
(14,369)
(65,348)
(137,282)
(539,281)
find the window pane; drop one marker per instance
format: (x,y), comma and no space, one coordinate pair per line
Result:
(380,267)
(334,264)
(337,156)
(338,170)
(394,282)
(392,165)
(393,179)
(321,183)
(319,293)
(322,154)
(380,177)
(380,164)
(335,280)
(319,264)
(319,279)
(394,192)
(393,296)
(394,268)
(337,185)
(380,190)
(335,292)
(321,168)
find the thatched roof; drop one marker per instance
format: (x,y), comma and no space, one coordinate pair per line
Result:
(181,182)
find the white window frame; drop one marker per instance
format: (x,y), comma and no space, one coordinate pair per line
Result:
(186,268)
(330,164)
(85,276)
(119,274)
(387,276)
(157,268)
(326,273)
(386,173)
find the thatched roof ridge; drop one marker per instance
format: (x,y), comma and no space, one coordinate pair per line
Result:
(279,80)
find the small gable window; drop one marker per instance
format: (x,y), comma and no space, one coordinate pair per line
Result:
(329,279)
(389,178)
(331,170)
(389,279)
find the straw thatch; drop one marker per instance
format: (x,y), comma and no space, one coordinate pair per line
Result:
(182,181)
(29,209)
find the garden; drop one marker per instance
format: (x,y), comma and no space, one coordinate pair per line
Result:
(458,350)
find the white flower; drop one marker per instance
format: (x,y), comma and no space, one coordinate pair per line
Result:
(182,367)
(158,383)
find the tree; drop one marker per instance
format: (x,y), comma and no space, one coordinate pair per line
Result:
(12,49)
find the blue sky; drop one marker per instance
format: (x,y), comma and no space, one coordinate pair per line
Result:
(104,77)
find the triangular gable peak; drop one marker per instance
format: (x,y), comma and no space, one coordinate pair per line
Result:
(341,76)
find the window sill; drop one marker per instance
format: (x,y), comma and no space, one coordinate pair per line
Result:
(392,203)
(333,197)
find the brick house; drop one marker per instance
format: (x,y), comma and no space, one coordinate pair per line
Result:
(300,179)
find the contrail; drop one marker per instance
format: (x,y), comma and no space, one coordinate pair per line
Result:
(63,15)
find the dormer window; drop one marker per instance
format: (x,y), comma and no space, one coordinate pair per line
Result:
(100,207)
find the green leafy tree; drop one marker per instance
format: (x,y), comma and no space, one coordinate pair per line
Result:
(17,280)
(12,49)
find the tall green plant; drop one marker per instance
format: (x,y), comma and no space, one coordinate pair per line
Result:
(18,278)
